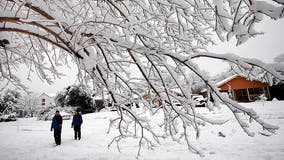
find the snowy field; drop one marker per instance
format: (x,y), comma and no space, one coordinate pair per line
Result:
(32,140)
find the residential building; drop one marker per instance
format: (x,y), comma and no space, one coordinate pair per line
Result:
(240,89)
(45,100)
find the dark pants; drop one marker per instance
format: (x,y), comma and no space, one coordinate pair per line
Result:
(77,131)
(57,137)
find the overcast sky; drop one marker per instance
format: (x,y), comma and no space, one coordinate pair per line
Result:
(264,47)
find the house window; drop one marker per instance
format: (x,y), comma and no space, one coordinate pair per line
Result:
(251,91)
(43,102)
(254,91)
(244,92)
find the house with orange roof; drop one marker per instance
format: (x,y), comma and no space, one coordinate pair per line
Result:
(241,89)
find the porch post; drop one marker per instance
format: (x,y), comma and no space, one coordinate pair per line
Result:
(268,92)
(233,94)
(248,94)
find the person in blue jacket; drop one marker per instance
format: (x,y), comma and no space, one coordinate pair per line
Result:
(56,126)
(76,124)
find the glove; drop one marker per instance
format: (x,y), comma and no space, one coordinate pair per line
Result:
(50,129)
(71,126)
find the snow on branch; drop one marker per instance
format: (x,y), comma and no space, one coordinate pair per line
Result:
(274,70)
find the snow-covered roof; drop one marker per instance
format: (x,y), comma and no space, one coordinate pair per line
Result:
(51,95)
(227,80)
(232,77)
(220,83)
(100,97)
(175,90)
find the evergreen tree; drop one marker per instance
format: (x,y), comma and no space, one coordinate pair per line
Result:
(9,101)
(75,96)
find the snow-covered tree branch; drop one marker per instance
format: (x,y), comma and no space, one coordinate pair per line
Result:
(156,39)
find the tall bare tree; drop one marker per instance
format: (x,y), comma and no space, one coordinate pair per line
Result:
(156,38)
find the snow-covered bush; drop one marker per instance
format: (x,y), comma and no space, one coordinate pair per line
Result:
(9,102)
(138,47)
(48,113)
(8,117)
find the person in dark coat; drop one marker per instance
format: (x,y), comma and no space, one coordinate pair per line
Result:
(76,124)
(56,126)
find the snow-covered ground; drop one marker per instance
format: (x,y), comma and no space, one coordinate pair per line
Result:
(31,139)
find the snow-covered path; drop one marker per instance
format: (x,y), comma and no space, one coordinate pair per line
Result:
(31,139)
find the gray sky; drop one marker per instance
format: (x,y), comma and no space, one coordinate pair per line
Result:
(264,47)
(38,86)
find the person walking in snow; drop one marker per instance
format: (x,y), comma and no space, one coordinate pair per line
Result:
(56,126)
(76,124)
